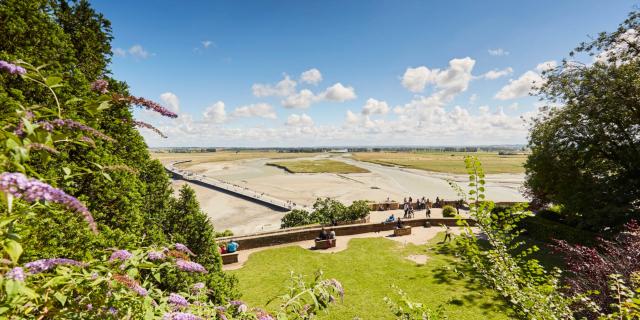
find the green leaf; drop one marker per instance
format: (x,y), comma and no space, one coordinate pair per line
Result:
(13,248)
(107,176)
(104,105)
(66,170)
(73,100)
(52,81)
(61,297)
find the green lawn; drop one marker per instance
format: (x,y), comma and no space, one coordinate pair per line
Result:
(367,269)
(448,162)
(317,166)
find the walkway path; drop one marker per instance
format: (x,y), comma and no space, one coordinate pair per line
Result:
(419,236)
(232,189)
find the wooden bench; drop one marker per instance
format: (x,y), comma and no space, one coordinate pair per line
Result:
(228,258)
(404,231)
(325,244)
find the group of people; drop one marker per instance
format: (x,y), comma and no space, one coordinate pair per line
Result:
(229,247)
(324,235)
(420,204)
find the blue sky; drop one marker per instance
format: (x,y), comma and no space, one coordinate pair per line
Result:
(392,72)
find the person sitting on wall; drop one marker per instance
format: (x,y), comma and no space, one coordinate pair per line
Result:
(323,235)
(332,234)
(232,246)
(222,249)
(399,224)
(391,218)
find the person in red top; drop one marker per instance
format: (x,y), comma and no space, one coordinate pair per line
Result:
(222,248)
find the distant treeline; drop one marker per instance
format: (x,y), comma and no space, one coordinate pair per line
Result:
(503,149)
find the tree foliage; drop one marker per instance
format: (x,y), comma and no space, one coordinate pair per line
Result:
(585,146)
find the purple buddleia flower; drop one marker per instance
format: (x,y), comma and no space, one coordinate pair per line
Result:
(46,264)
(183,248)
(11,68)
(113,310)
(145,125)
(335,284)
(148,104)
(120,255)
(180,316)
(89,307)
(156,255)
(32,190)
(190,266)
(72,124)
(16,274)
(178,300)
(263,315)
(100,86)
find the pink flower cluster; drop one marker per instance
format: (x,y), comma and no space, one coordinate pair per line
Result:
(190,266)
(71,124)
(148,104)
(178,300)
(15,274)
(100,86)
(32,190)
(42,265)
(120,255)
(11,68)
(145,125)
(180,316)
(183,248)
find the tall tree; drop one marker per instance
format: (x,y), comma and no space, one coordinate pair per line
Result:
(586,145)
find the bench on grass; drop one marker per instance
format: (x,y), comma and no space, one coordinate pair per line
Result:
(325,244)
(228,258)
(404,231)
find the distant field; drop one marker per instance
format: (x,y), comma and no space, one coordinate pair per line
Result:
(204,157)
(448,162)
(317,166)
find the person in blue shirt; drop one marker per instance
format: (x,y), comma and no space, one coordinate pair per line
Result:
(232,246)
(391,218)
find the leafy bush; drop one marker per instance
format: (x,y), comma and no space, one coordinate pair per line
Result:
(295,218)
(327,211)
(449,211)
(590,268)
(356,211)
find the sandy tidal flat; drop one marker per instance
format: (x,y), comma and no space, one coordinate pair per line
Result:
(242,217)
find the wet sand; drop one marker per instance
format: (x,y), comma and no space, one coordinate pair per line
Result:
(244,217)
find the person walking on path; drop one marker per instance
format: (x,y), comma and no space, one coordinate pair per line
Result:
(447,234)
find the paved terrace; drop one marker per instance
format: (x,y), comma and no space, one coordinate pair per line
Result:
(231,189)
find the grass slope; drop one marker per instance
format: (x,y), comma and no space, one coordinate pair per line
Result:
(317,166)
(367,269)
(448,162)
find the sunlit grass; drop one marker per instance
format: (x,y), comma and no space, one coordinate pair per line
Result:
(318,166)
(448,162)
(367,270)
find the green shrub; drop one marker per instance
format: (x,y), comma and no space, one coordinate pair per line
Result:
(449,212)
(357,210)
(295,218)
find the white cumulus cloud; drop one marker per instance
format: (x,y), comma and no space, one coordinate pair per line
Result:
(283,88)
(547,65)
(215,113)
(311,76)
(373,106)
(450,81)
(416,79)
(262,110)
(495,74)
(498,52)
(171,100)
(520,87)
(302,99)
(338,92)
(302,120)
